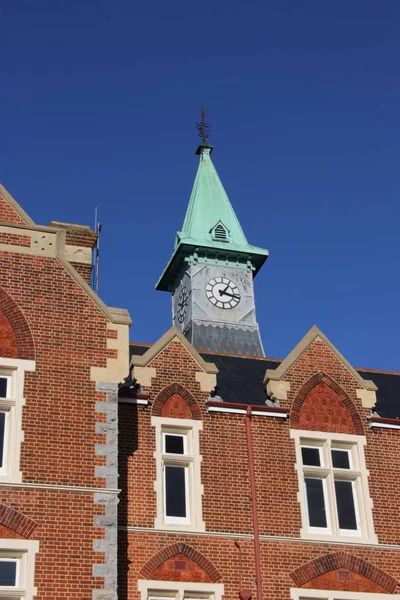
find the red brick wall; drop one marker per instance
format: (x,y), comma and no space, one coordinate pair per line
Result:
(323,410)
(225,476)
(180,568)
(346,581)
(176,408)
(84,271)
(69,335)
(8,346)
(69,332)
(8,214)
(15,239)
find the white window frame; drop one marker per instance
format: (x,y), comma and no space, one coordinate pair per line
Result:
(304,594)
(179,590)
(14,369)
(183,461)
(357,473)
(24,552)
(191,460)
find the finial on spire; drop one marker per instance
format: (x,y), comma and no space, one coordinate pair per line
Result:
(204,131)
(203,128)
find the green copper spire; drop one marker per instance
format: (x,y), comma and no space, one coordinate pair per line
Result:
(209,206)
(211,232)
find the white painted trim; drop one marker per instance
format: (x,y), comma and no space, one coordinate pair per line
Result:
(141,401)
(64,488)
(190,428)
(242,411)
(178,589)
(377,425)
(359,472)
(301,593)
(14,436)
(25,551)
(178,531)
(264,538)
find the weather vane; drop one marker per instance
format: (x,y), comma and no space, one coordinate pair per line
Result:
(203,128)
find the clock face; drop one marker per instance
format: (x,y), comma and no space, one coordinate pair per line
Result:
(222,292)
(183,301)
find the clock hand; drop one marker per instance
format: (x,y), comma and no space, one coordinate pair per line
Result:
(223,292)
(230,295)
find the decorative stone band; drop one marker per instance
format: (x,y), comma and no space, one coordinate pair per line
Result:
(58,488)
(382,423)
(240,409)
(263,538)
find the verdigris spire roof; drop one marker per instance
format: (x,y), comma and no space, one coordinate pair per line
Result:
(209,206)
(211,232)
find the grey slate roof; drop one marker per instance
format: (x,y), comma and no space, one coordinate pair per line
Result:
(240,379)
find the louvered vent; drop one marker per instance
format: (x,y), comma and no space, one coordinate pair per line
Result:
(220,233)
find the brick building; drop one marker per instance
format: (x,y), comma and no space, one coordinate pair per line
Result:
(237,475)
(62,354)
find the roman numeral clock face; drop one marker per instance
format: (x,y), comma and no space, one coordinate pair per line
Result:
(222,292)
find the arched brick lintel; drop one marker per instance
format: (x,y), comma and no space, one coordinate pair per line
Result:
(11,518)
(343,560)
(306,388)
(180,548)
(20,327)
(170,390)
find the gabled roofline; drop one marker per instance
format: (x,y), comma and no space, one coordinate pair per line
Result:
(18,209)
(173,332)
(115,315)
(315,332)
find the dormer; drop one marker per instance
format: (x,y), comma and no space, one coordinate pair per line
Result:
(220,233)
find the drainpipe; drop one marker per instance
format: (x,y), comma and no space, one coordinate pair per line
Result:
(256,533)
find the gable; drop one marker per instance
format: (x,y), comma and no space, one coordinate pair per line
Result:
(10,211)
(315,352)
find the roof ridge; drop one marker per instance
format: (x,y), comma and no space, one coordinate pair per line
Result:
(266,358)
(377,371)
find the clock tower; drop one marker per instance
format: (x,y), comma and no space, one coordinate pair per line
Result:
(211,271)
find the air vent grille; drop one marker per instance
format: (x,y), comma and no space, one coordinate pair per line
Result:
(220,233)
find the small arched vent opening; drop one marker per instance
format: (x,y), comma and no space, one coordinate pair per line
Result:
(220,233)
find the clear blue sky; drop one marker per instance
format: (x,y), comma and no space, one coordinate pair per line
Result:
(97,107)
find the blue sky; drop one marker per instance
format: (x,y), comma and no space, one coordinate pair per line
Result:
(97,108)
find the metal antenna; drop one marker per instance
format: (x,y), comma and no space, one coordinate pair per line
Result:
(203,128)
(97,228)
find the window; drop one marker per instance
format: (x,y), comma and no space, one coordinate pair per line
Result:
(175,590)
(302,594)
(333,484)
(17,566)
(178,485)
(5,396)
(176,465)
(12,372)
(8,572)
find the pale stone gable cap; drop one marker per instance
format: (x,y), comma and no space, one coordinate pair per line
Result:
(309,338)
(169,336)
